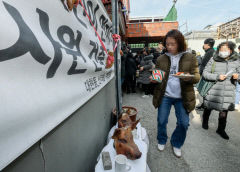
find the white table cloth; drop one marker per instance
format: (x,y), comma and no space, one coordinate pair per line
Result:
(139,165)
(141,141)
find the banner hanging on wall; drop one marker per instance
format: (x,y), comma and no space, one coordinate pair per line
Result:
(51,63)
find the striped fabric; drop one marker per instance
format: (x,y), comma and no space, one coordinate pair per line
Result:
(158,75)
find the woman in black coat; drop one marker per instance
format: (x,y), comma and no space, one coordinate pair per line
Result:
(131,68)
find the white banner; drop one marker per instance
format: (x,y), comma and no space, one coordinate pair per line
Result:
(51,63)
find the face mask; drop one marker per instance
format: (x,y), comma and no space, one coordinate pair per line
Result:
(224,54)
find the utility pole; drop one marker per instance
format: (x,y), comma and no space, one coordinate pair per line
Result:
(117,59)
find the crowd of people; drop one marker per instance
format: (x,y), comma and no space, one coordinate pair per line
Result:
(218,69)
(136,69)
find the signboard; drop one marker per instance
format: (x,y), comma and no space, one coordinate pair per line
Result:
(51,63)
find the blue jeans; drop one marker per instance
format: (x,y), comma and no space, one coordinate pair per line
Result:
(237,93)
(179,134)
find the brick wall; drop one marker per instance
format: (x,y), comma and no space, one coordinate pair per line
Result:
(150,29)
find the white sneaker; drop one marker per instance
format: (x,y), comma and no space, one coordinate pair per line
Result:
(161,147)
(177,152)
(237,106)
(145,96)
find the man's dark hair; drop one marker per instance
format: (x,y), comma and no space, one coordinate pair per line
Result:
(160,43)
(124,47)
(239,47)
(147,51)
(178,36)
(210,42)
(231,45)
(194,52)
(153,50)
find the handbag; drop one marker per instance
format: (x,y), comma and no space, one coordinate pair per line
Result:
(204,86)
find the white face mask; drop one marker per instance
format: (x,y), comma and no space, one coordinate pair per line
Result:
(224,54)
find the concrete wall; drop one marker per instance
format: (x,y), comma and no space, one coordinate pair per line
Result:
(75,144)
(198,44)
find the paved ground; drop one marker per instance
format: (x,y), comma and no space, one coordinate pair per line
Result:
(203,151)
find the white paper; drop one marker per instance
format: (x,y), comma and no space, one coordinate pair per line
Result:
(229,73)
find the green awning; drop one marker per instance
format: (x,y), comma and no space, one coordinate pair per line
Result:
(172,14)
